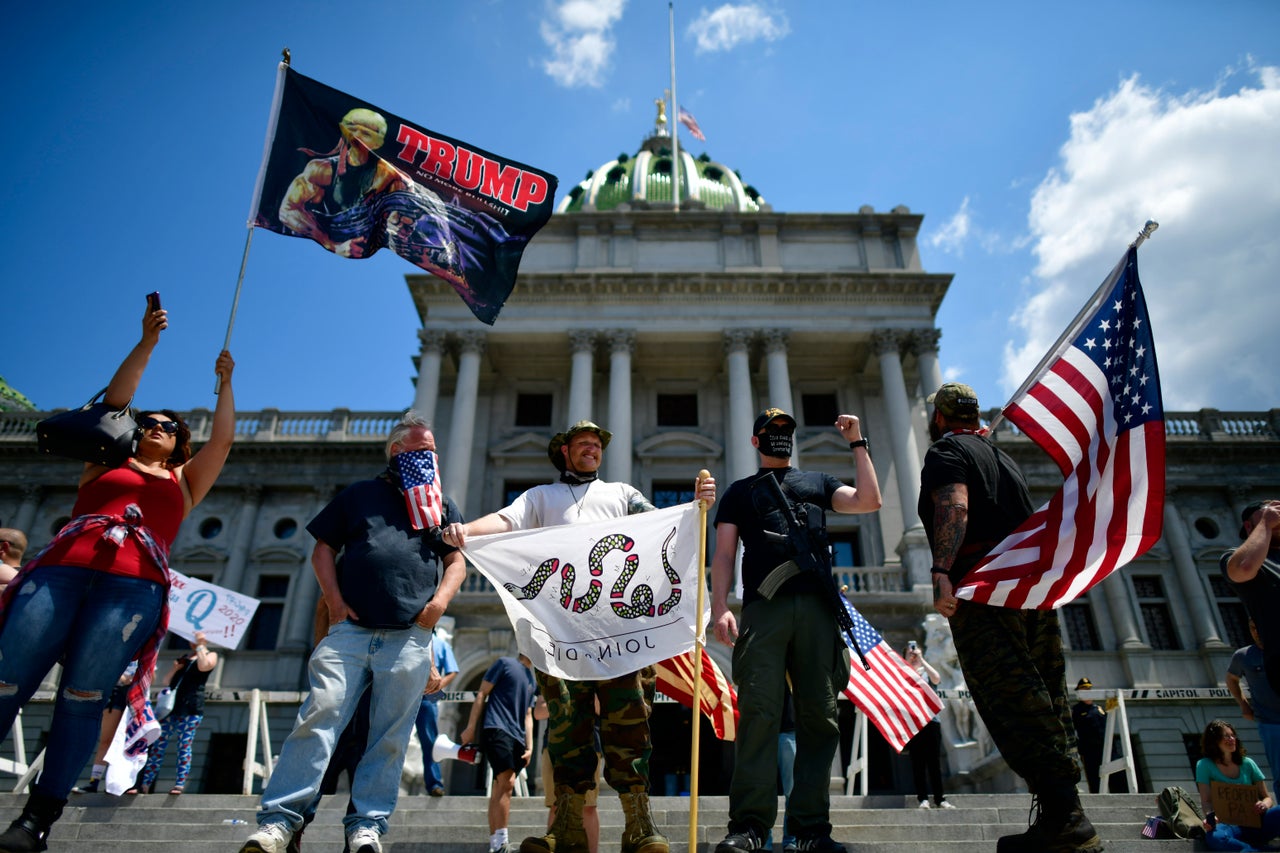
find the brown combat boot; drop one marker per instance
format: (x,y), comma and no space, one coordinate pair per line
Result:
(566,834)
(639,835)
(1060,826)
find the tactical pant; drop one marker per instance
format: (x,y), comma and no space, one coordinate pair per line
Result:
(792,635)
(625,705)
(1013,665)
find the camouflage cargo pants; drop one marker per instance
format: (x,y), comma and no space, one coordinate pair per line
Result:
(625,704)
(1015,671)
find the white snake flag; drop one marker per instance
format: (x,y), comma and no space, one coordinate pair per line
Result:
(596,600)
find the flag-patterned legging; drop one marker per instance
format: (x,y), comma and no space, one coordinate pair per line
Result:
(184,728)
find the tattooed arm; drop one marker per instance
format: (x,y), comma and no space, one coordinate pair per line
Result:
(950,520)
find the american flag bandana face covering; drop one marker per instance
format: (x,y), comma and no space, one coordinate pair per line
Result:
(423,494)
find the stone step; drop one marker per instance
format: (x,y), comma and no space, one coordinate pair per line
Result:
(194,823)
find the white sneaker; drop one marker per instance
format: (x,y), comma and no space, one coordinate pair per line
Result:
(945,805)
(924,804)
(270,838)
(364,839)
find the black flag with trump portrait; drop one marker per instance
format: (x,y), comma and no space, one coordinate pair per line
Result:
(355,178)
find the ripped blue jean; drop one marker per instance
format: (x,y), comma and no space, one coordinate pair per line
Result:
(94,623)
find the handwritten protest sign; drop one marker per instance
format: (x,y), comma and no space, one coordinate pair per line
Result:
(196,605)
(1236,804)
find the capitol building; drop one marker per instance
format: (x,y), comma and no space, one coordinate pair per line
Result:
(673,328)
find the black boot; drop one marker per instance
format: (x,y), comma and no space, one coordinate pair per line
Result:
(1060,826)
(29,831)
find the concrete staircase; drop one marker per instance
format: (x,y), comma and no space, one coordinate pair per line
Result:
(194,823)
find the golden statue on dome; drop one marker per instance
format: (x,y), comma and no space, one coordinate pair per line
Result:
(661,122)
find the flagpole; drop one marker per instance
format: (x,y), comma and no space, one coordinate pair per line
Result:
(286,57)
(675,107)
(1073,328)
(696,728)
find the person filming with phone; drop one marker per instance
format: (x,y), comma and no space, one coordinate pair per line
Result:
(96,597)
(925,748)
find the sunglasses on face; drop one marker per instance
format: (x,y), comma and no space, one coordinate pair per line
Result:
(147,423)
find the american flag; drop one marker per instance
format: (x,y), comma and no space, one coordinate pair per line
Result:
(890,693)
(1095,408)
(718,699)
(687,119)
(420,475)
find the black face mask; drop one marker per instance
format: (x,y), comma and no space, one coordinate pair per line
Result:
(776,442)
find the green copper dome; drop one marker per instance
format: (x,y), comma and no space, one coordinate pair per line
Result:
(13,400)
(644,179)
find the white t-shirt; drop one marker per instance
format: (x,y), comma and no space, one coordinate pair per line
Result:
(561,503)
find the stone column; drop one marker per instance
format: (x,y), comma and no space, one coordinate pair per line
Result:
(906,459)
(31,495)
(775,348)
(456,470)
(924,343)
(304,592)
(246,522)
(1195,591)
(428,388)
(583,345)
(622,343)
(913,550)
(741,456)
(1120,604)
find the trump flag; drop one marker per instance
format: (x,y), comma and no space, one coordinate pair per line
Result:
(590,600)
(355,178)
(1095,408)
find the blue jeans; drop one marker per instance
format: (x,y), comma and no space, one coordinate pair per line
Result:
(397,664)
(1228,837)
(428,724)
(94,623)
(1270,734)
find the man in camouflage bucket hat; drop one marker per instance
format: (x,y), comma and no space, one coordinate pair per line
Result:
(625,700)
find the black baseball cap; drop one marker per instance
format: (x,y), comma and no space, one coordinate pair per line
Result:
(772,414)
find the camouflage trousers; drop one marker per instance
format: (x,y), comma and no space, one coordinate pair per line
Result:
(1015,671)
(625,704)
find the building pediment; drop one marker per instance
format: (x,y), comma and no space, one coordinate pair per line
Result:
(678,444)
(520,448)
(825,443)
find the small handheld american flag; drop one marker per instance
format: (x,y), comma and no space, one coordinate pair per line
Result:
(420,477)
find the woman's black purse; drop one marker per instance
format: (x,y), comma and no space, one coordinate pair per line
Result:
(95,433)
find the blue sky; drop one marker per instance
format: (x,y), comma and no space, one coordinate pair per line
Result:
(1035,138)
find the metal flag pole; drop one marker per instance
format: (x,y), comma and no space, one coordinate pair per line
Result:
(696,728)
(286,56)
(1073,328)
(675,110)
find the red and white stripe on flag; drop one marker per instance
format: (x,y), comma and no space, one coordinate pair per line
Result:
(895,699)
(687,119)
(717,697)
(1096,410)
(420,476)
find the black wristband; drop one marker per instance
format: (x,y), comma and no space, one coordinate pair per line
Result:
(862,442)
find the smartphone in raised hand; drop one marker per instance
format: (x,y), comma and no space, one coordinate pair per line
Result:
(153,300)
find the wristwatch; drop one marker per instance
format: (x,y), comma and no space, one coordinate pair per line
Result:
(862,442)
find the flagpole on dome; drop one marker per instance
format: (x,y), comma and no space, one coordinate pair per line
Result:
(675,134)
(1073,328)
(285,58)
(695,729)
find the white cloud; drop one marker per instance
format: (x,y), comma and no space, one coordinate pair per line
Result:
(951,237)
(580,35)
(730,25)
(1203,165)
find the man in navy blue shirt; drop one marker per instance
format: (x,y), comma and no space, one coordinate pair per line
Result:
(384,596)
(503,712)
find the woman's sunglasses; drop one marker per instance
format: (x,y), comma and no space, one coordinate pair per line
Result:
(170,427)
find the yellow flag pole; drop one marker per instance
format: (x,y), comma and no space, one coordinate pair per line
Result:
(703,475)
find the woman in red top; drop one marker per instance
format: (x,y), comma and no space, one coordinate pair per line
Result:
(96,597)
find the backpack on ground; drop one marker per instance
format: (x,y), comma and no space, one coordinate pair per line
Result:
(1181,812)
